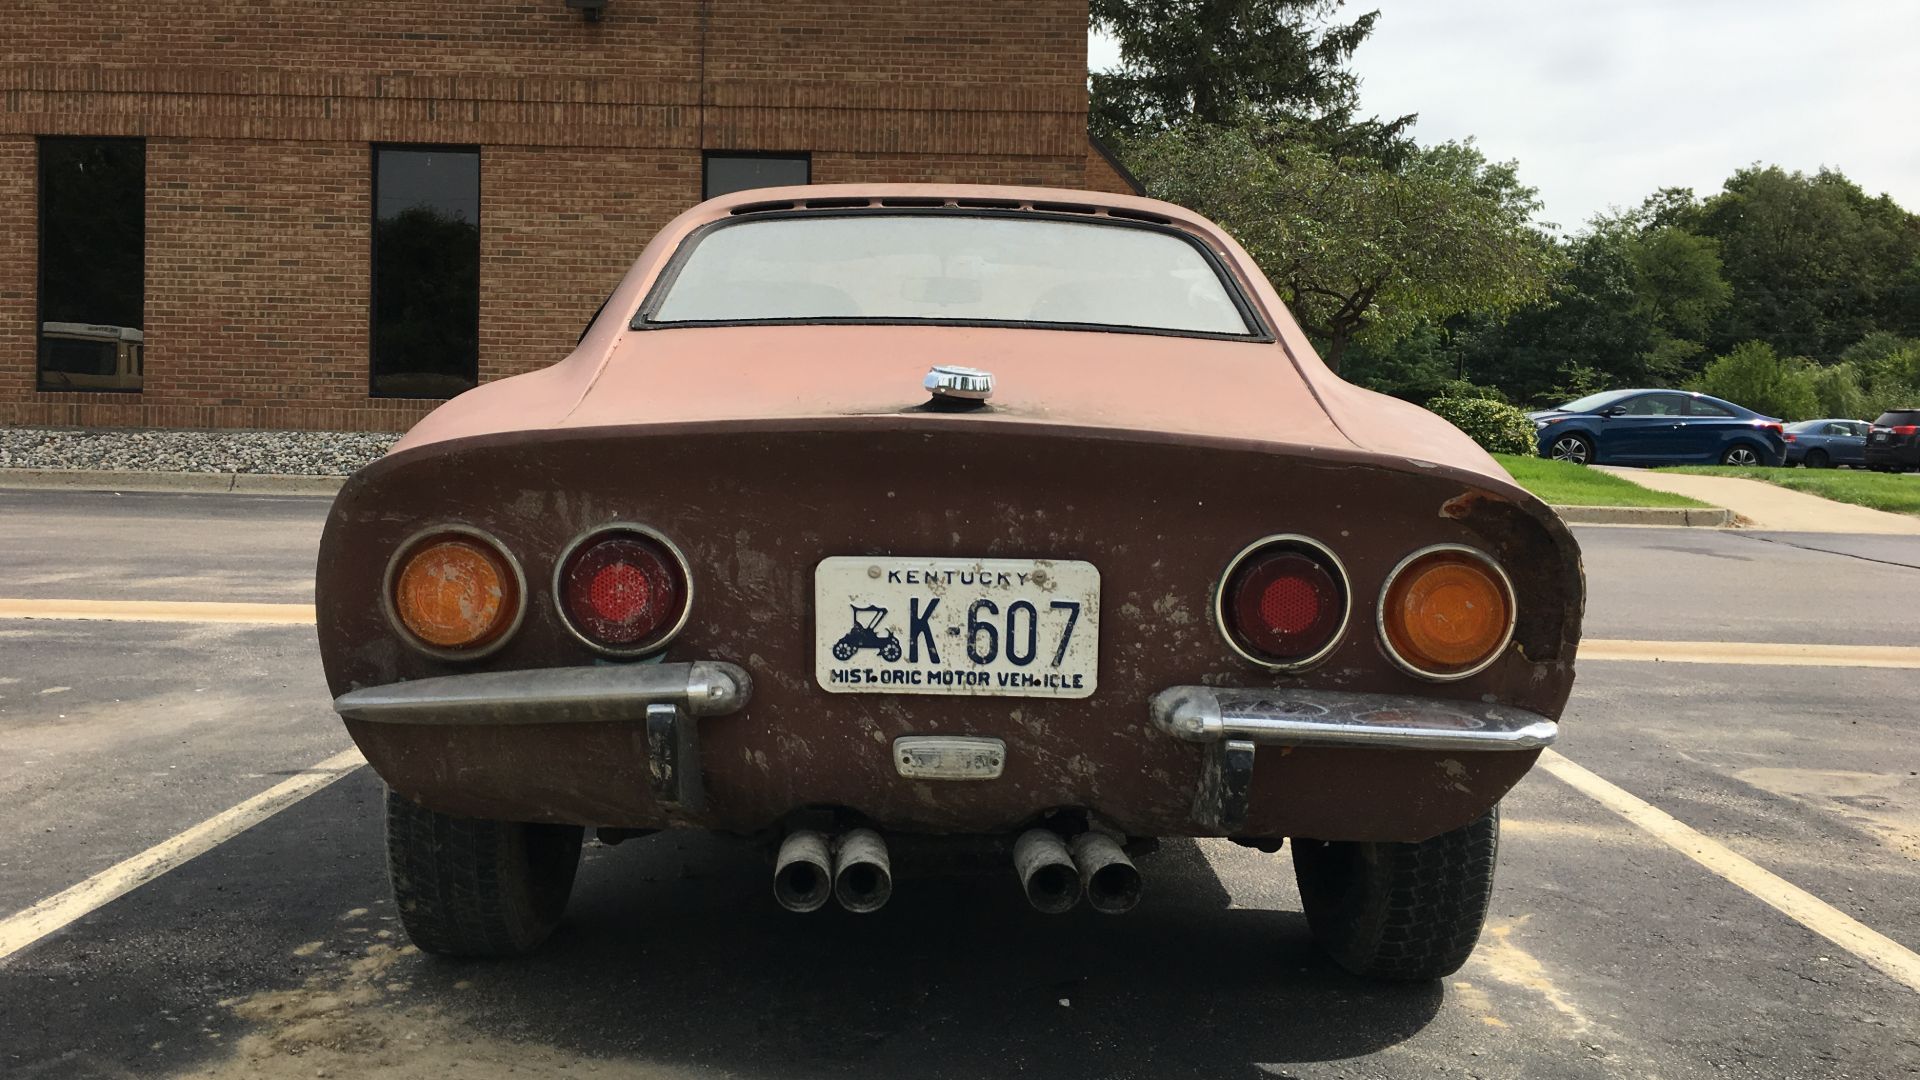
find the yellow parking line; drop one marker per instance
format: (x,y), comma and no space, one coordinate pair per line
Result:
(1889,956)
(1604,649)
(1751,652)
(26,927)
(157,611)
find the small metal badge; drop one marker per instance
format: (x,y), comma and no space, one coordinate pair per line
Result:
(961,383)
(949,757)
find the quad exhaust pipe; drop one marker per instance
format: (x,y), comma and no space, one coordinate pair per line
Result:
(1055,873)
(1110,879)
(1046,870)
(862,874)
(803,872)
(856,870)
(853,869)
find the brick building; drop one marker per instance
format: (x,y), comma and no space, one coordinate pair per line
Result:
(327,214)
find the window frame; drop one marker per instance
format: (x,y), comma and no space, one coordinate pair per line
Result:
(1257,329)
(40,265)
(805,157)
(373,253)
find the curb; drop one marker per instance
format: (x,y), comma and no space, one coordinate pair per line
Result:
(132,480)
(1709,518)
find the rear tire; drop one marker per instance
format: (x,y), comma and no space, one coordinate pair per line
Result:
(1817,459)
(469,887)
(1400,912)
(1741,455)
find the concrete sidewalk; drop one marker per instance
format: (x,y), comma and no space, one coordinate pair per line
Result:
(1765,506)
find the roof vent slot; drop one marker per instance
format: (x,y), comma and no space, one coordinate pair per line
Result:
(843,203)
(761,208)
(1066,208)
(913,202)
(1138,215)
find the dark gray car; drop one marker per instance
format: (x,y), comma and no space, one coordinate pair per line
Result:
(1823,444)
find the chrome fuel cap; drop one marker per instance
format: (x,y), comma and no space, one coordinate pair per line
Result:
(959,383)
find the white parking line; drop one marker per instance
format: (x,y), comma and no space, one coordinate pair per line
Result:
(26,927)
(1892,958)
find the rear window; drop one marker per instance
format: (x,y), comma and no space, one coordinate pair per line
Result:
(1898,418)
(948,268)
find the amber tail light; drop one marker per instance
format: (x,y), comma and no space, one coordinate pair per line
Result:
(624,590)
(455,593)
(1446,613)
(1283,602)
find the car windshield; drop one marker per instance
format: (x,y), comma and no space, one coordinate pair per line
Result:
(1594,401)
(951,268)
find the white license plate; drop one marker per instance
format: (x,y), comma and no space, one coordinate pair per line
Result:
(1003,627)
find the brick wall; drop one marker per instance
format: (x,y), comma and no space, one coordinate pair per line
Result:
(259,117)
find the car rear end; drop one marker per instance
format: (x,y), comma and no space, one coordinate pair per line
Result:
(729,567)
(1893,442)
(1045,591)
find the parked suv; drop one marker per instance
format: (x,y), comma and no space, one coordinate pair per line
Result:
(1894,441)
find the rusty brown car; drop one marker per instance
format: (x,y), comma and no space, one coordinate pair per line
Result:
(1018,518)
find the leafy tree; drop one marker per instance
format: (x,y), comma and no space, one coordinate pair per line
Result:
(1359,250)
(1755,376)
(1814,263)
(1631,306)
(1839,393)
(1221,62)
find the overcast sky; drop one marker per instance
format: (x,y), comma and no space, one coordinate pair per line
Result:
(1602,101)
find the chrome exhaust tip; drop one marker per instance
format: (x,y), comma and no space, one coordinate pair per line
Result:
(862,875)
(1046,870)
(1109,877)
(803,872)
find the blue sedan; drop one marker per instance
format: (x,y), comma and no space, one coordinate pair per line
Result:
(1658,427)
(1821,444)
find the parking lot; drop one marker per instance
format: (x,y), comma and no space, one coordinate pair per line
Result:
(1717,875)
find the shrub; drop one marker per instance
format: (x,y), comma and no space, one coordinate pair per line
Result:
(1463,388)
(1756,377)
(1498,427)
(1838,391)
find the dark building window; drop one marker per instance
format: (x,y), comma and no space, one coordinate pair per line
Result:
(426,271)
(93,242)
(728,173)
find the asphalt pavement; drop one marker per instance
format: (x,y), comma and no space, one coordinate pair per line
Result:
(1613,950)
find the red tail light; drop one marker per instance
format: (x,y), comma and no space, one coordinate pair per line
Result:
(1789,436)
(1283,602)
(1907,429)
(1777,429)
(623,590)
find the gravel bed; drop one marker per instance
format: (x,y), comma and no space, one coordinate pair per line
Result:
(289,453)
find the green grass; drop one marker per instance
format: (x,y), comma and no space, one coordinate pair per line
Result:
(1882,491)
(1560,484)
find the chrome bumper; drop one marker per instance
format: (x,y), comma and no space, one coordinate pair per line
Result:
(568,695)
(1235,723)
(1332,718)
(668,697)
